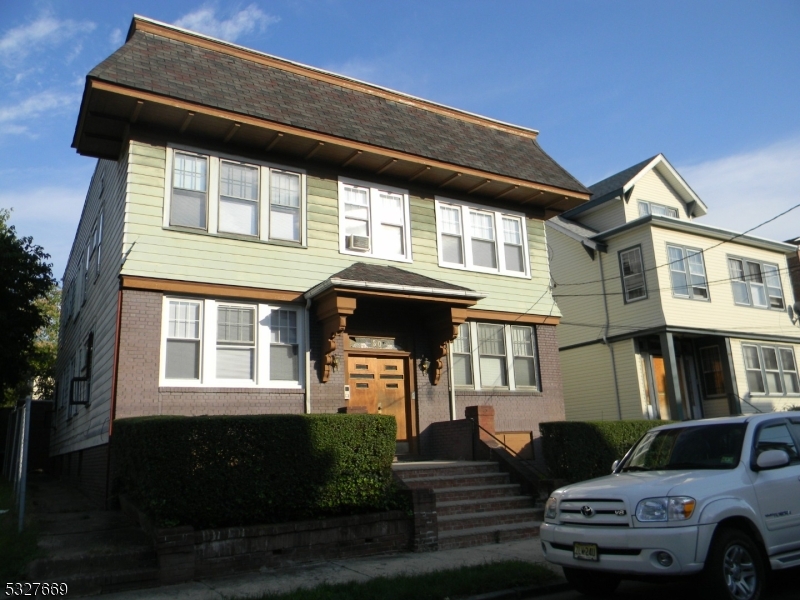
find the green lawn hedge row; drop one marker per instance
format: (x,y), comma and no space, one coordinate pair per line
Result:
(579,450)
(242,470)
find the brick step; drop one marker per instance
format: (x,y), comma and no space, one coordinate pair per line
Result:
(478,536)
(415,470)
(476,491)
(90,563)
(487,519)
(93,584)
(450,481)
(482,505)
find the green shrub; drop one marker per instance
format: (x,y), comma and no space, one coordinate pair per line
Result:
(240,470)
(579,450)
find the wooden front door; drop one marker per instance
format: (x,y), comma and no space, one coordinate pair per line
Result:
(380,384)
(660,376)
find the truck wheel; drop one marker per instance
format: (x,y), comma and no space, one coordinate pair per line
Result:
(735,568)
(592,583)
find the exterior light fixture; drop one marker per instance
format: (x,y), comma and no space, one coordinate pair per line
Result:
(424,364)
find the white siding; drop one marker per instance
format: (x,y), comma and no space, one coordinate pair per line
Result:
(607,216)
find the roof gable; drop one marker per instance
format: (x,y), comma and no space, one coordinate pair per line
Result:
(620,184)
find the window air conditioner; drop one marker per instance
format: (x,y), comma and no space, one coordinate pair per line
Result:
(359,243)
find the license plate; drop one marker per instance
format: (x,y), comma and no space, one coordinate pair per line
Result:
(584,551)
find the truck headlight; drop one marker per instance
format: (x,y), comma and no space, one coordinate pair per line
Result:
(551,508)
(674,508)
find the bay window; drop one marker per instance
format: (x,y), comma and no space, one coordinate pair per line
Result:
(631,267)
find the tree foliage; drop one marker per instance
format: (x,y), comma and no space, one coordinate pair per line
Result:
(26,313)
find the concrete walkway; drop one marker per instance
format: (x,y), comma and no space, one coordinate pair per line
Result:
(310,575)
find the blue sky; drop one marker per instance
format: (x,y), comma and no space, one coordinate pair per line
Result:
(715,86)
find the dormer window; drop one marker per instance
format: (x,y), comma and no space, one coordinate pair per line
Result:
(653,208)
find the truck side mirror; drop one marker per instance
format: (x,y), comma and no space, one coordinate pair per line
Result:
(772,459)
(614,466)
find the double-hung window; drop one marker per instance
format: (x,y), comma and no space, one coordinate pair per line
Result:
(230,344)
(484,239)
(756,283)
(494,355)
(631,269)
(687,272)
(653,208)
(227,196)
(770,370)
(374,221)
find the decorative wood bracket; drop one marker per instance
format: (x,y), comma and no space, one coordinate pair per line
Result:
(445,329)
(332,311)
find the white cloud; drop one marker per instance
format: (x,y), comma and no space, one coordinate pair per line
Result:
(204,20)
(13,117)
(116,37)
(746,189)
(46,30)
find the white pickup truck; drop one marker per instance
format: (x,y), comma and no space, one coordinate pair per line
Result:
(715,497)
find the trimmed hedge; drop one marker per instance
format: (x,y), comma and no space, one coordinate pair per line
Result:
(244,470)
(579,450)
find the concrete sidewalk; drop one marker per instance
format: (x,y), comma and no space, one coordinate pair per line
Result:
(309,575)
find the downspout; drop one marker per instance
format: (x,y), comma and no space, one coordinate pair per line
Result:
(308,357)
(605,335)
(451,381)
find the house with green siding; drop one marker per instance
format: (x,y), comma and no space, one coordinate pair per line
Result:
(261,236)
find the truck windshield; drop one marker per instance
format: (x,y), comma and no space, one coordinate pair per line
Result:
(693,447)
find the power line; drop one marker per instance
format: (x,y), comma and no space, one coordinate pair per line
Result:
(738,235)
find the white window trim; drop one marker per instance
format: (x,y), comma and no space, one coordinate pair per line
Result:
(374,190)
(509,356)
(750,302)
(622,275)
(650,206)
(759,350)
(212,196)
(466,237)
(208,346)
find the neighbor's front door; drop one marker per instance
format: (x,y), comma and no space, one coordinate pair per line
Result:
(379,384)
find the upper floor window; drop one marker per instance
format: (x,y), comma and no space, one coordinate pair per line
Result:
(478,238)
(756,283)
(224,344)
(770,370)
(653,208)
(631,268)
(374,221)
(687,272)
(494,355)
(227,196)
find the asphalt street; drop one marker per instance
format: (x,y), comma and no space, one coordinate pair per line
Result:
(784,585)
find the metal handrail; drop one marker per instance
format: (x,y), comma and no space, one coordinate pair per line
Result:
(510,450)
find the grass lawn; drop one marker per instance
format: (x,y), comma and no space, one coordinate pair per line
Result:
(452,584)
(16,549)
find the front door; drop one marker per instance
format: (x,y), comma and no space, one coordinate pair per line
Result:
(380,384)
(660,377)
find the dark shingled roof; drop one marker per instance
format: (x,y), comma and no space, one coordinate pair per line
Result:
(393,276)
(184,71)
(609,188)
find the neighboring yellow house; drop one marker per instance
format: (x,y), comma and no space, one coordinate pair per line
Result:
(664,317)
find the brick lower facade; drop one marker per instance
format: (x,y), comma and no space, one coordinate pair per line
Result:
(87,470)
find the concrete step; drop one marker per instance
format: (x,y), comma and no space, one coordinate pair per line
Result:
(483,505)
(477,491)
(450,481)
(488,519)
(432,468)
(82,522)
(478,536)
